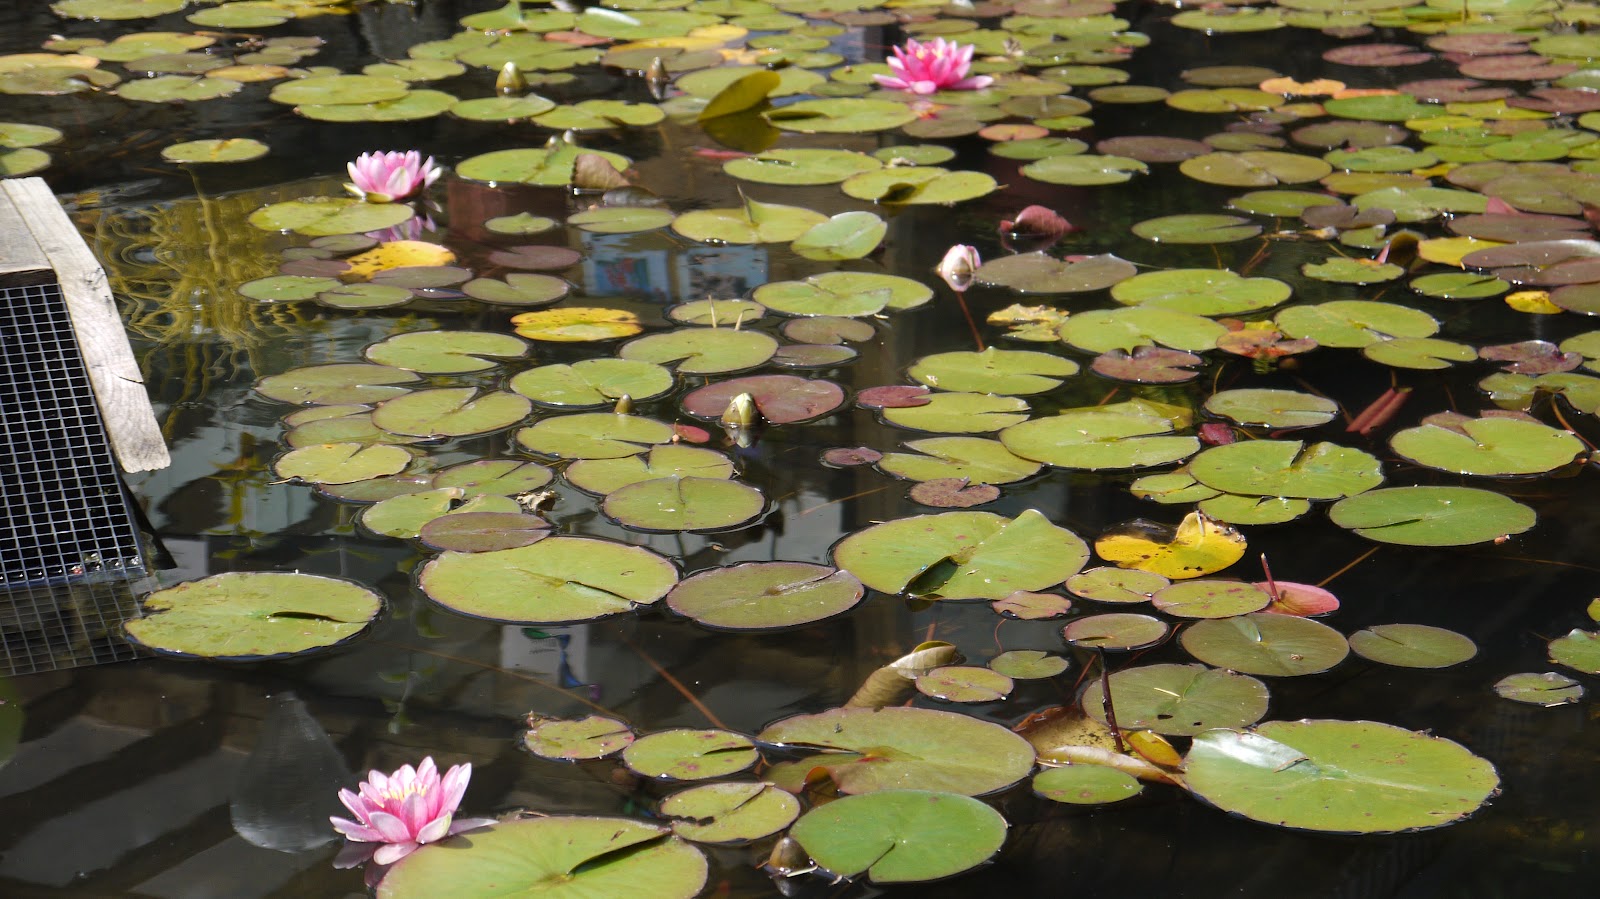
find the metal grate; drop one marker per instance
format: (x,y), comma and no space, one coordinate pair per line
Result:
(68,540)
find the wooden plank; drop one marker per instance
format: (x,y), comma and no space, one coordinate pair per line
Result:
(19,252)
(118,386)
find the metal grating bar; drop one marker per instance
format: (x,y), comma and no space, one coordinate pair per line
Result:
(68,542)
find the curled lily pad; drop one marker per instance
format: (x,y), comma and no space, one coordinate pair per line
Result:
(730,813)
(1412,646)
(761,595)
(900,836)
(1120,631)
(586,856)
(1262,643)
(676,503)
(866,750)
(558,579)
(1085,784)
(241,615)
(585,738)
(1547,689)
(848,235)
(1339,776)
(688,754)
(1432,516)
(962,555)
(1178,700)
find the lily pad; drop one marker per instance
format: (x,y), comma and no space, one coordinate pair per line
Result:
(1195,548)
(1129,328)
(1029,606)
(959,413)
(483,531)
(900,836)
(236,149)
(800,166)
(1010,372)
(1118,585)
(1288,468)
(962,555)
(868,750)
(779,399)
(518,289)
(765,595)
(703,351)
(753,223)
(1117,631)
(1272,408)
(446,352)
(1085,784)
(1197,228)
(730,813)
(404,516)
(1200,291)
(1547,689)
(975,460)
(592,383)
(605,476)
(964,683)
(676,503)
(594,435)
(1178,700)
(451,412)
(842,115)
(1488,447)
(1084,170)
(558,579)
(494,477)
(585,738)
(1432,516)
(577,324)
(1028,664)
(1205,598)
(341,463)
(1412,646)
(1039,273)
(688,754)
(324,216)
(1339,776)
(843,294)
(540,165)
(251,615)
(1098,440)
(907,185)
(1578,650)
(1264,643)
(560,855)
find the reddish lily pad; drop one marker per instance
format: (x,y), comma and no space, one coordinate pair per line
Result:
(780,399)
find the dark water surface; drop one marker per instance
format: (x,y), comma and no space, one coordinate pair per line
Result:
(165,779)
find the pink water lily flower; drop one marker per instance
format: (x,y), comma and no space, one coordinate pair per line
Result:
(386,177)
(927,67)
(400,812)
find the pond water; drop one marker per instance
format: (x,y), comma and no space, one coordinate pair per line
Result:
(180,778)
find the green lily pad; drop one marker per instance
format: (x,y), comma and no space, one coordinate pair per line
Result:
(1084,170)
(960,413)
(1288,468)
(522,223)
(494,477)
(605,476)
(868,750)
(338,89)
(415,105)
(687,754)
(1028,664)
(765,595)
(1200,291)
(962,555)
(1115,631)
(848,235)
(1197,228)
(1127,329)
(1039,273)
(1344,270)
(446,352)
(621,219)
(675,503)
(178,89)
(1432,516)
(560,856)
(754,222)
(1578,650)
(975,460)
(501,109)
(534,165)
(287,288)
(1489,447)
(585,738)
(1203,598)
(703,351)
(1547,689)
(911,185)
(730,813)
(592,383)
(1271,408)
(964,683)
(842,294)
(600,115)
(1029,606)
(1338,776)
(712,313)
(1412,646)
(341,463)
(22,161)
(365,296)
(1235,509)
(525,289)
(1009,372)
(325,216)
(251,615)
(800,166)
(558,579)
(594,435)
(403,517)
(477,532)
(841,115)
(233,149)
(1418,353)
(1254,168)
(900,836)
(1265,643)
(1178,700)
(1085,784)
(451,412)
(1118,585)
(1099,440)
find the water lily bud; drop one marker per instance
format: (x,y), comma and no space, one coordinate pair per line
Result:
(657,79)
(510,82)
(958,266)
(741,412)
(624,405)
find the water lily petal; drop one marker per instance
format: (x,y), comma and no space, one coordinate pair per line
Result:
(393,852)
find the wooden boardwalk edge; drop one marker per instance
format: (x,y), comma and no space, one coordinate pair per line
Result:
(118,386)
